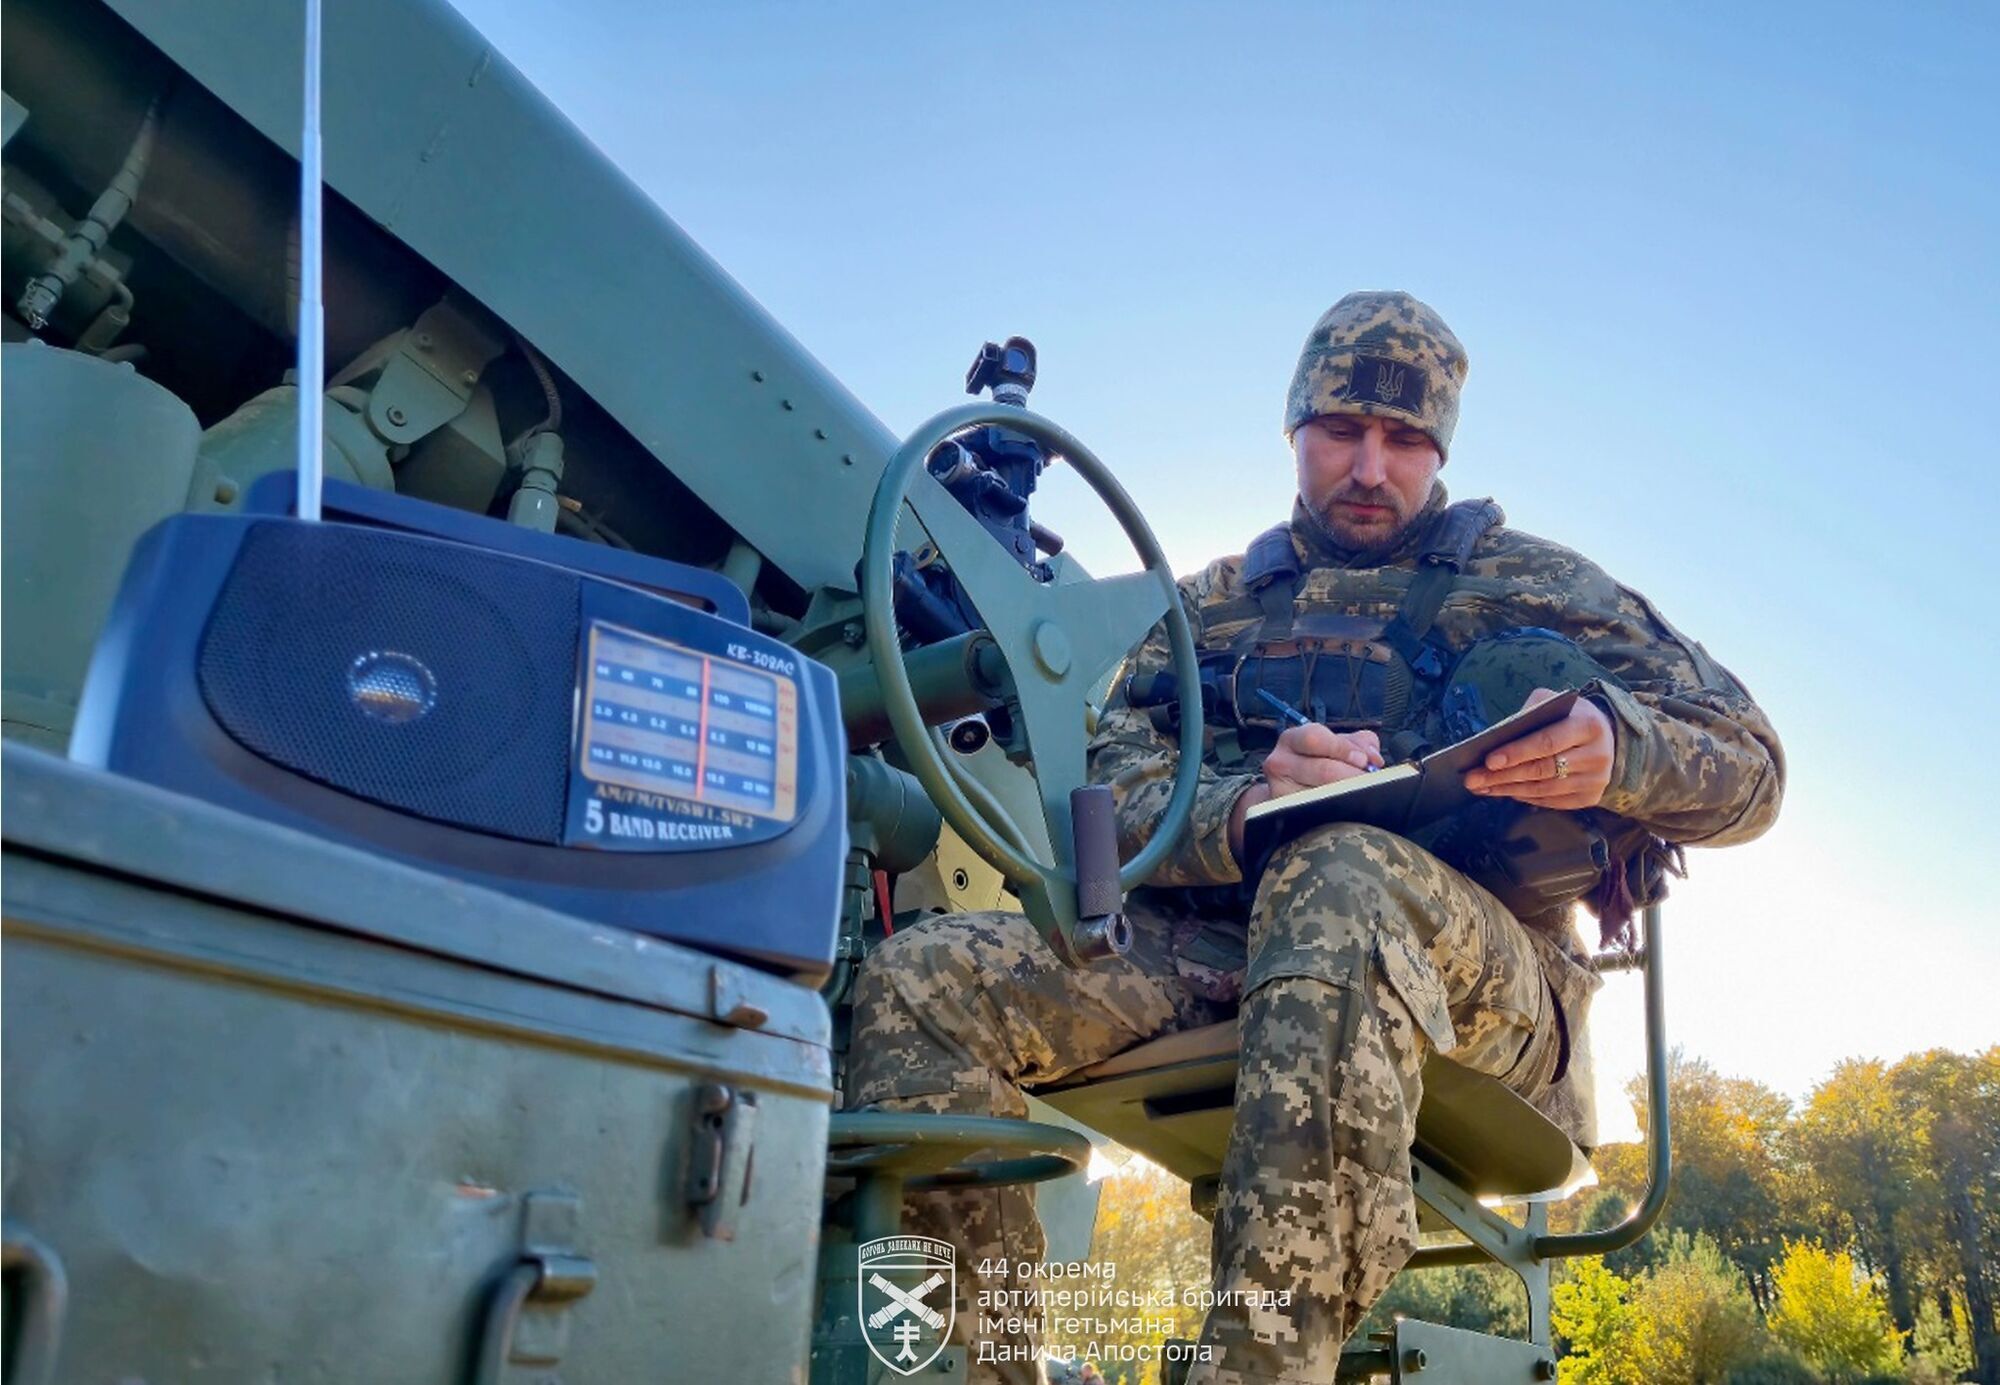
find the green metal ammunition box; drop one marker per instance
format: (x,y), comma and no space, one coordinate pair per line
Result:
(279,1109)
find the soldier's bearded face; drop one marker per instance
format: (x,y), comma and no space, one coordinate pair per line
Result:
(1366,478)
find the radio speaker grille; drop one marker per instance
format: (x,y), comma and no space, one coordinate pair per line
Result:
(431,678)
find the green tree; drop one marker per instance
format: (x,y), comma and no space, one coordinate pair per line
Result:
(1704,1323)
(1727,1138)
(1942,1343)
(1953,1103)
(1775,1366)
(1479,1298)
(1157,1245)
(1857,1160)
(1606,1338)
(1831,1315)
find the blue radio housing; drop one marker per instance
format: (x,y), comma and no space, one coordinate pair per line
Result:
(547,730)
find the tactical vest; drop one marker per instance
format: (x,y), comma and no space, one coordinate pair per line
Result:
(1352,671)
(1350,668)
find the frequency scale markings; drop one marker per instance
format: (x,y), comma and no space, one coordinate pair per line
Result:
(689,725)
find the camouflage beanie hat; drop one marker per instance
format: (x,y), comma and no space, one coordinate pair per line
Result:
(1382,354)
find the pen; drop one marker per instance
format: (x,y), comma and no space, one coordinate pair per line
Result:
(1294,715)
(1284,709)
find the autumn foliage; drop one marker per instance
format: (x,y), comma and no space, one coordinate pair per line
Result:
(1854,1238)
(1873,1205)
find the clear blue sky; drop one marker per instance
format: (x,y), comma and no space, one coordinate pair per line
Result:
(1727,278)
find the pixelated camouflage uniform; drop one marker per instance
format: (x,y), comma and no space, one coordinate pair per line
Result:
(1360,952)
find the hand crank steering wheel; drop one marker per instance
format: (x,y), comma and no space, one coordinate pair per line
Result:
(1057,640)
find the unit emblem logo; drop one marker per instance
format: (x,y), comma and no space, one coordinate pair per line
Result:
(908,1298)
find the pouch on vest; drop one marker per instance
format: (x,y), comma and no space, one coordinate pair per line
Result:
(1336,670)
(1491,680)
(1534,860)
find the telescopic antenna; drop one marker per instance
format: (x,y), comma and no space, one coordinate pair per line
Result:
(312,322)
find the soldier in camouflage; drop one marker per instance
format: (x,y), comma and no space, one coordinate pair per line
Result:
(1359,951)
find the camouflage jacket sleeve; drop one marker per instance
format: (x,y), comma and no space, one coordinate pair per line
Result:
(1138,762)
(1697,760)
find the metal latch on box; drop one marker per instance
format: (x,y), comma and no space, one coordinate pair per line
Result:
(728,1004)
(725,1131)
(527,1319)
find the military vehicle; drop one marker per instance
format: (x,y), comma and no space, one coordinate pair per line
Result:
(320,1066)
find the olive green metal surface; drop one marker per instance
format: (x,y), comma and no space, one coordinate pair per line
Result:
(431,133)
(95,455)
(1059,640)
(1173,1100)
(260,1142)
(1437,1355)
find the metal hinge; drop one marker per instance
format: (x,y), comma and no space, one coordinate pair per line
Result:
(724,1136)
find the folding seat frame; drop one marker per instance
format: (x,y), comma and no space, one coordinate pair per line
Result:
(1478,1146)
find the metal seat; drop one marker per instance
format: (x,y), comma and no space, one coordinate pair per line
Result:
(1173,1099)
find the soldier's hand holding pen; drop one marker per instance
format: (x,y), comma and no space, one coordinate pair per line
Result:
(1310,755)
(1307,755)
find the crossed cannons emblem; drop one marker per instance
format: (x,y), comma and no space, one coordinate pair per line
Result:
(903,1330)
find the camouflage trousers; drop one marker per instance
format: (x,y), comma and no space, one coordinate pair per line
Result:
(1364,952)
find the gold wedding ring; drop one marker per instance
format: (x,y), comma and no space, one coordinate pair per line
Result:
(1562,767)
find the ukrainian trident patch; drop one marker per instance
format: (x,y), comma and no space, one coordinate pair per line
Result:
(908,1298)
(1379,380)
